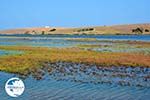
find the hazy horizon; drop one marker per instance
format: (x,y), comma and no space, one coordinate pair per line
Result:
(66,13)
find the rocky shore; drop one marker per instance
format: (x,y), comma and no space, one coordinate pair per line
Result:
(85,73)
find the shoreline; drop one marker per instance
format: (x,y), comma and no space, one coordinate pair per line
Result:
(80,64)
(83,73)
(63,34)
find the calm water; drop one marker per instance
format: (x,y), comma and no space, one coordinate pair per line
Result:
(49,88)
(107,37)
(9,52)
(62,40)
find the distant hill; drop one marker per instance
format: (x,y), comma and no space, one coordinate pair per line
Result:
(115,29)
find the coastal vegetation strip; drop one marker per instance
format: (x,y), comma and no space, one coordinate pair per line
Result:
(117,46)
(35,57)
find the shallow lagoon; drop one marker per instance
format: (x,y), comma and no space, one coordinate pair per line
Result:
(9,52)
(57,86)
(50,89)
(62,40)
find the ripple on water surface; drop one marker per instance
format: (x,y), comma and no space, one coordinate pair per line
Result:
(50,89)
(73,81)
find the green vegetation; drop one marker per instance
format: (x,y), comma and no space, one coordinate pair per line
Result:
(85,29)
(43,32)
(138,30)
(146,30)
(52,30)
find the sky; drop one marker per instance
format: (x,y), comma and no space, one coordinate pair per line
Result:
(72,13)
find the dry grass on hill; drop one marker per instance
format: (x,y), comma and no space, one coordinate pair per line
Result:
(116,29)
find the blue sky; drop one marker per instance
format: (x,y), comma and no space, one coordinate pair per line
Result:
(72,13)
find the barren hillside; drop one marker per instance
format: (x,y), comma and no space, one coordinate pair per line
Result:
(116,29)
